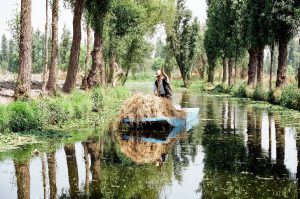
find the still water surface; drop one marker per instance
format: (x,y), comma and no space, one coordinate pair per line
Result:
(238,150)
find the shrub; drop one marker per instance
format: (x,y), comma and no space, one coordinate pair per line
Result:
(4,119)
(81,104)
(260,94)
(239,90)
(290,97)
(97,99)
(24,116)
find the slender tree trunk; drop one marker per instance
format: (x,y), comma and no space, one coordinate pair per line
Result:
(51,85)
(282,57)
(299,76)
(260,65)
(230,67)
(235,70)
(97,61)
(252,66)
(46,49)
(52,174)
(72,170)
(211,73)
(225,67)
(75,49)
(111,68)
(271,67)
(125,76)
(202,70)
(23,179)
(25,52)
(84,84)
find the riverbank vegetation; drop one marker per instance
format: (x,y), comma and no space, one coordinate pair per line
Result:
(35,121)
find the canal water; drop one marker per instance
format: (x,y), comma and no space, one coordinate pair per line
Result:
(238,149)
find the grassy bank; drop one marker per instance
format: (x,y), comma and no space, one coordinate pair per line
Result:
(59,118)
(288,96)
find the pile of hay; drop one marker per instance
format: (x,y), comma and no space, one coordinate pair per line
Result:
(149,106)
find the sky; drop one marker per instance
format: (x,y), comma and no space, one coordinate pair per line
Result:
(198,8)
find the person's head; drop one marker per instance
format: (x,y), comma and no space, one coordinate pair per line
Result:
(158,74)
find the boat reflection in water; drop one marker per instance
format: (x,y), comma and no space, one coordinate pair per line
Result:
(152,144)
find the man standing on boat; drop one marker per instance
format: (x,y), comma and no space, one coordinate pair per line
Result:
(162,86)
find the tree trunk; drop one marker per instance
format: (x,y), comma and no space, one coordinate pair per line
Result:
(72,170)
(51,85)
(25,52)
(260,65)
(202,70)
(281,71)
(84,84)
(75,49)
(46,49)
(230,67)
(271,67)
(23,179)
(211,73)
(97,62)
(125,76)
(111,68)
(235,70)
(299,76)
(225,68)
(52,174)
(87,168)
(252,66)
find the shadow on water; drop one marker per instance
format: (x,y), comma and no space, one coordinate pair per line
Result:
(236,151)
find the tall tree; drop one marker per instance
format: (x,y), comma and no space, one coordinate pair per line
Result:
(286,20)
(51,84)
(24,76)
(64,50)
(97,10)
(75,49)
(46,48)
(183,40)
(4,53)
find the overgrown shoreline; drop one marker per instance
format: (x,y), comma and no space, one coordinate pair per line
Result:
(287,97)
(58,118)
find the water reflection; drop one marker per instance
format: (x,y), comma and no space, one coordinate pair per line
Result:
(236,151)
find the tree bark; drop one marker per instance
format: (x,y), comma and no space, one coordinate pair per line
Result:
(260,65)
(75,49)
(271,67)
(299,76)
(84,84)
(111,68)
(282,57)
(51,85)
(46,49)
(225,68)
(252,66)
(230,67)
(211,73)
(25,52)
(23,179)
(97,63)
(52,174)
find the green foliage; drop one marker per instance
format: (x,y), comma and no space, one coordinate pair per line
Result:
(64,48)
(24,116)
(98,99)
(4,119)
(260,94)
(239,90)
(183,39)
(290,97)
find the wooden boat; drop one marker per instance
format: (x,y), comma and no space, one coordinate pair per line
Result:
(190,120)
